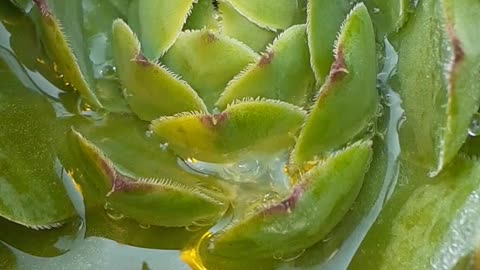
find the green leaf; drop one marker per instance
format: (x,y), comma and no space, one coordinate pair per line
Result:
(443,210)
(208,61)
(121,5)
(164,202)
(203,16)
(58,22)
(122,163)
(463,74)
(98,41)
(249,127)
(44,243)
(316,204)
(133,16)
(31,189)
(348,101)
(437,79)
(160,24)
(282,73)
(270,14)
(388,16)
(151,90)
(241,28)
(324,20)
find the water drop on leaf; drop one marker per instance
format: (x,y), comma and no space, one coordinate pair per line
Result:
(474,129)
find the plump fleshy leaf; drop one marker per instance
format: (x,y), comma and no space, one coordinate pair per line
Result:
(203,16)
(463,73)
(124,164)
(443,210)
(208,61)
(324,20)
(439,96)
(31,188)
(316,204)
(239,27)
(151,90)
(388,16)
(164,203)
(160,24)
(61,32)
(283,72)
(348,101)
(249,127)
(270,14)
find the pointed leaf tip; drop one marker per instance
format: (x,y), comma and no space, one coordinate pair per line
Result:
(262,126)
(151,90)
(348,101)
(265,78)
(160,24)
(315,205)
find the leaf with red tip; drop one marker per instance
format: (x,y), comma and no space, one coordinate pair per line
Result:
(237,26)
(64,44)
(121,165)
(316,204)
(248,127)
(208,61)
(150,90)
(348,101)
(282,73)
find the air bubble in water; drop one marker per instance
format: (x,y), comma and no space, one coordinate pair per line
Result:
(474,129)
(112,213)
(108,71)
(164,146)
(148,133)
(193,228)
(203,222)
(144,226)
(290,257)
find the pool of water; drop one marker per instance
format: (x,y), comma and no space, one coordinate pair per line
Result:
(101,239)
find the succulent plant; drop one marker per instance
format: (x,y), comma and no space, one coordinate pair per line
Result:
(249,134)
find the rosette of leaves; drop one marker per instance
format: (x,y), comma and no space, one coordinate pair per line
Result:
(224,82)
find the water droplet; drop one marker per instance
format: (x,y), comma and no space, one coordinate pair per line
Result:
(293,256)
(108,71)
(474,129)
(148,133)
(112,213)
(271,196)
(203,222)
(192,228)
(380,110)
(216,110)
(55,67)
(41,61)
(376,10)
(326,239)
(164,146)
(144,226)
(59,75)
